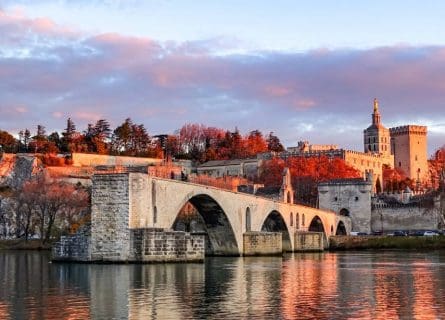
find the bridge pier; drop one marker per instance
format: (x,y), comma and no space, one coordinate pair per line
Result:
(262,243)
(309,241)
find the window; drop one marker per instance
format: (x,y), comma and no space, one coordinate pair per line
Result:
(400,164)
(416,157)
(335,199)
(302,220)
(291,219)
(356,198)
(155,215)
(297,221)
(248,219)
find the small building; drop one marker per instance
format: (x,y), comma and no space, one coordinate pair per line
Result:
(348,197)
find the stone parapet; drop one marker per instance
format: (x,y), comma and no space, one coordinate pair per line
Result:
(409,129)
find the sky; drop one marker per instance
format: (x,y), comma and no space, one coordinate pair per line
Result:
(306,70)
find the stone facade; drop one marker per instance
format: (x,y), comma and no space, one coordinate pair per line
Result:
(348,197)
(409,146)
(262,243)
(92,160)
(238,167)
(309,241)
(386,218)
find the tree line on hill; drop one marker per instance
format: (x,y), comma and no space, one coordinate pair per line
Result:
(193,141)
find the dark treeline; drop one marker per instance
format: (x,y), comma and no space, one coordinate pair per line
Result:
(193,141)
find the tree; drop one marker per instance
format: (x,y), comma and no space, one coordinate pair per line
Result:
(255,143)
(52,201)
(71,139)
(7,142)
(273,143)
(97,136)
(437,169)
(307,173)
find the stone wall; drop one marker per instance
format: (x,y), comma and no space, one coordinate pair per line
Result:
(74,247)
(88,160)
(158,245)
(404,217)
(309,241)
(110,211)
(262,243)
(351,198)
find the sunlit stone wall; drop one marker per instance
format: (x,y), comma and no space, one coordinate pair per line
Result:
(262,243)
(309,241)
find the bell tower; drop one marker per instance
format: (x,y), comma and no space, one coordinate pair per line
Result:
(376,136)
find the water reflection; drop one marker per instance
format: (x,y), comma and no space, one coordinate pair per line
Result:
(299,286)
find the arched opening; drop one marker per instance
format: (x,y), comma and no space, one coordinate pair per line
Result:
(203,214)
(248,223)
(344,212)
(316,225)
(297,221)
(289,199)
(155,215)
(341,229)
(302,220)
(291,219)
(275,223)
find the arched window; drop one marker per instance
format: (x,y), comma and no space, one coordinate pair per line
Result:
(302,220)
(248,219)
(289,200)
(297,221)
(332,229)
(291,219)
(155,215)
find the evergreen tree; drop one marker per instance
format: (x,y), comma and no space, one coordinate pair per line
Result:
(274,144)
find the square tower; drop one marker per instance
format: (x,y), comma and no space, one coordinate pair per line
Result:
(409,147)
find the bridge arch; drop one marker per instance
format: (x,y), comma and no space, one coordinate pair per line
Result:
(341,229)
(210,216)
(316,225)
(274,222)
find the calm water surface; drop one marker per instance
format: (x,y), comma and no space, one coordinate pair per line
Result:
(364,285)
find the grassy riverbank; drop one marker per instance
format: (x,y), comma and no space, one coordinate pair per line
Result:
(20,244)
(382,243)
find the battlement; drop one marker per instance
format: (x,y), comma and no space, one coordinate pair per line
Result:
(375,156)
(408,129)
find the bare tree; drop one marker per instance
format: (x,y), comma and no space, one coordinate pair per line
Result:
(51,202)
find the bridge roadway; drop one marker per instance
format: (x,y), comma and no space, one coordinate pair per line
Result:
(155,203)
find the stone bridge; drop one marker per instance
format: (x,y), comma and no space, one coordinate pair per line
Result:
(139,201)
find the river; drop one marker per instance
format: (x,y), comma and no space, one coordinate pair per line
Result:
(347,285)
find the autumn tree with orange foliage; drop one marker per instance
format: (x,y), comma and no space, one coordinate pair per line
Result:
(395,179)
(52,201)
(307,173)
(437,169)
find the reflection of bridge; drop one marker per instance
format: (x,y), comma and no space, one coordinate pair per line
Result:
(149,202)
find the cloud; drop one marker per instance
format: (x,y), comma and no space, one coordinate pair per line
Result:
(54,72)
